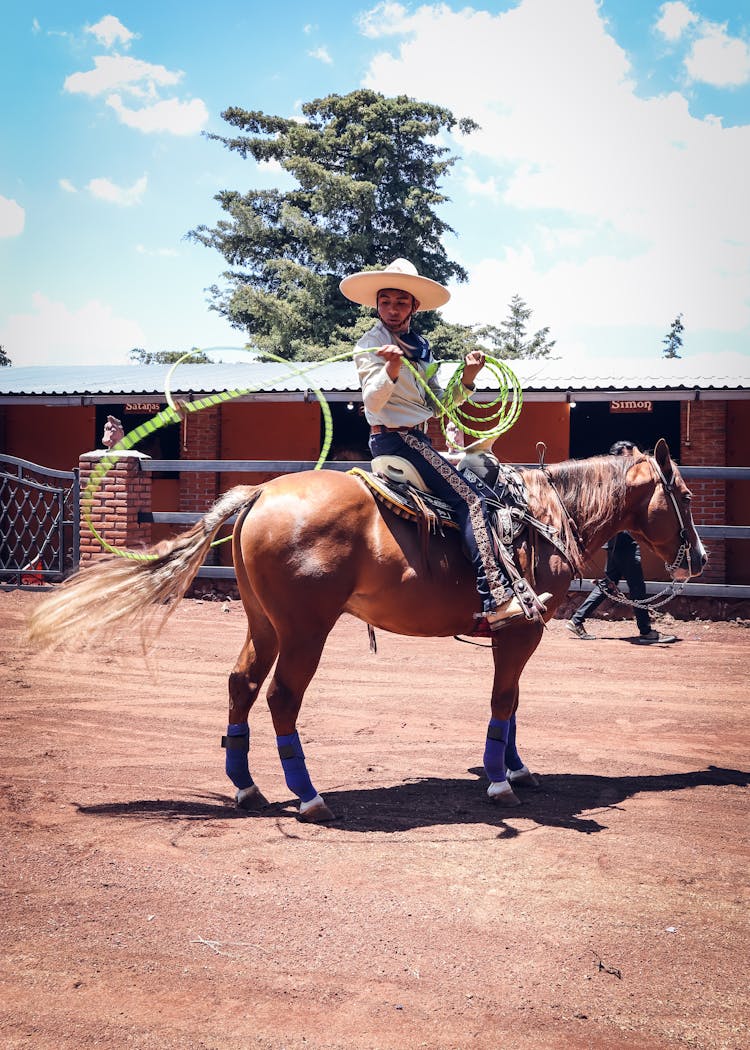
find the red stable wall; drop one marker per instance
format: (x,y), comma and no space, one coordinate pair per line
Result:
(713,433)
(538,421)
(48,435)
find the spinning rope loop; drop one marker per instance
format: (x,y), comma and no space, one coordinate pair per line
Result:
(507,407)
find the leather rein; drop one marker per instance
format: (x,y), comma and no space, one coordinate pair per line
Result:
(674,587)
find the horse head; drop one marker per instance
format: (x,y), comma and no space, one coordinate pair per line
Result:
(663,517)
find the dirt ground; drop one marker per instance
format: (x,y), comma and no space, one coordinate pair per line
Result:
(141,909)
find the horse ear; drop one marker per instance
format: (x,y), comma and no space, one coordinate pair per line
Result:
(663,458)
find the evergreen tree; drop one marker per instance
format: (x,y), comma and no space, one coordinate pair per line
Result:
(167,357)
(673,339)
(367,170)
(509,340)
(4,359)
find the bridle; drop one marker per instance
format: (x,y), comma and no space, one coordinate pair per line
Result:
(683,552)
(674,587)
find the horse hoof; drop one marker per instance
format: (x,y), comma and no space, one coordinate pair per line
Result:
(522,777)
(501,792)
(250,799)
(314,812)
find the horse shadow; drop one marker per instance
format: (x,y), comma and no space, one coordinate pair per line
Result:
(577,802)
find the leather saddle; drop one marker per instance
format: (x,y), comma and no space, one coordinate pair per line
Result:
(397,483)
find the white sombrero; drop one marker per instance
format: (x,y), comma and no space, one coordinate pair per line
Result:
(363,287)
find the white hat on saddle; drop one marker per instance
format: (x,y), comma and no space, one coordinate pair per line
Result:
(363,287)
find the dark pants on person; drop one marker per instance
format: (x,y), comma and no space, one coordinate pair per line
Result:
(623,563)
(468,503)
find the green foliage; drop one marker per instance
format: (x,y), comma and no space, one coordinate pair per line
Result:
(509,341)
(168,357)
(450,342)
(5,361)
(673,339)
(367,173)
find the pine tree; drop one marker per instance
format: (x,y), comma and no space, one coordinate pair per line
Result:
(509,340)
(673,339)
(367,170)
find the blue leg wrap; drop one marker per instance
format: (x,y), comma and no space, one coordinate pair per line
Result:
(293,763)
(237,743)
(512,759)
(494,750)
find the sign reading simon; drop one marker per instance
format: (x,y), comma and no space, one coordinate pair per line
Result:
(631,406)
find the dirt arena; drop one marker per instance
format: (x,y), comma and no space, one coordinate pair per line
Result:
(141,909)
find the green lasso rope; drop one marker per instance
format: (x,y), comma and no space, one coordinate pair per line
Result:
(508,402)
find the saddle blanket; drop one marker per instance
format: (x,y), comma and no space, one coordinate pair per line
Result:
(396,497)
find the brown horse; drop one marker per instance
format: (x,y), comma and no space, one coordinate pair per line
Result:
(309,546)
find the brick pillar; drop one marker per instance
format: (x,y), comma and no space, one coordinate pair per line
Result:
(201,434)
(703,442)
(123,491)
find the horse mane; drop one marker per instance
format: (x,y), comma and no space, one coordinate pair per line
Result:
(592,492)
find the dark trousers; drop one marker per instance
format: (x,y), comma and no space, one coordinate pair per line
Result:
(623,563)
(467,502)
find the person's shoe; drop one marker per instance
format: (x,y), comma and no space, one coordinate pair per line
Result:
(579,631)
(510,610)
(654,638)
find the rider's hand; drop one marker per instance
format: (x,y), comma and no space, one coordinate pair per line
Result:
(473,365)
(392,355)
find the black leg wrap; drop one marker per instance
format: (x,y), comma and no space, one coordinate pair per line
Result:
(236,743)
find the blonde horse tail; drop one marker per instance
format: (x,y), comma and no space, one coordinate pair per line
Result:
(122,590)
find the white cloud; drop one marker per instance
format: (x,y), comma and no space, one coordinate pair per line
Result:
(118,75)
(124,196)
(35,26)
(321,53)
(178,118)
(719,59)
(110,30)
(67,185)
(674,20)
(121,73)
(661,192)
(477,187)
(386,19)
(12,218)
(156,252)
(53,334)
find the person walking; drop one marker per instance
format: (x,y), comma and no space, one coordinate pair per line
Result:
(623,563)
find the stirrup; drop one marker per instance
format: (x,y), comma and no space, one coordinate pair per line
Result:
(534,606)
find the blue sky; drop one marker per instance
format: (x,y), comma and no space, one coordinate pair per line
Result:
(607,186)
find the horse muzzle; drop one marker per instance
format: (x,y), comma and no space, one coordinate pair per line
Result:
(690,561)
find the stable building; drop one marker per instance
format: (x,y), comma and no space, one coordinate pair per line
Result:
(270,417)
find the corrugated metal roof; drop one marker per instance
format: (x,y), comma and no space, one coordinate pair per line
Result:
(297,377)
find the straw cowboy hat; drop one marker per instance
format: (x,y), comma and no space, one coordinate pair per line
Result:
(363,287)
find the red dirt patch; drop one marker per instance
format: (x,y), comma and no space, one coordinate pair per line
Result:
(141,909)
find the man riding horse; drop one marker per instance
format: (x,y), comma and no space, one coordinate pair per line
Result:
(397,410)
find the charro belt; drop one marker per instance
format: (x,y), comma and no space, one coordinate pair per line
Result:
(379,429)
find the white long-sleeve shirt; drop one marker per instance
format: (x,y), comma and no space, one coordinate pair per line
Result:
(395,403)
